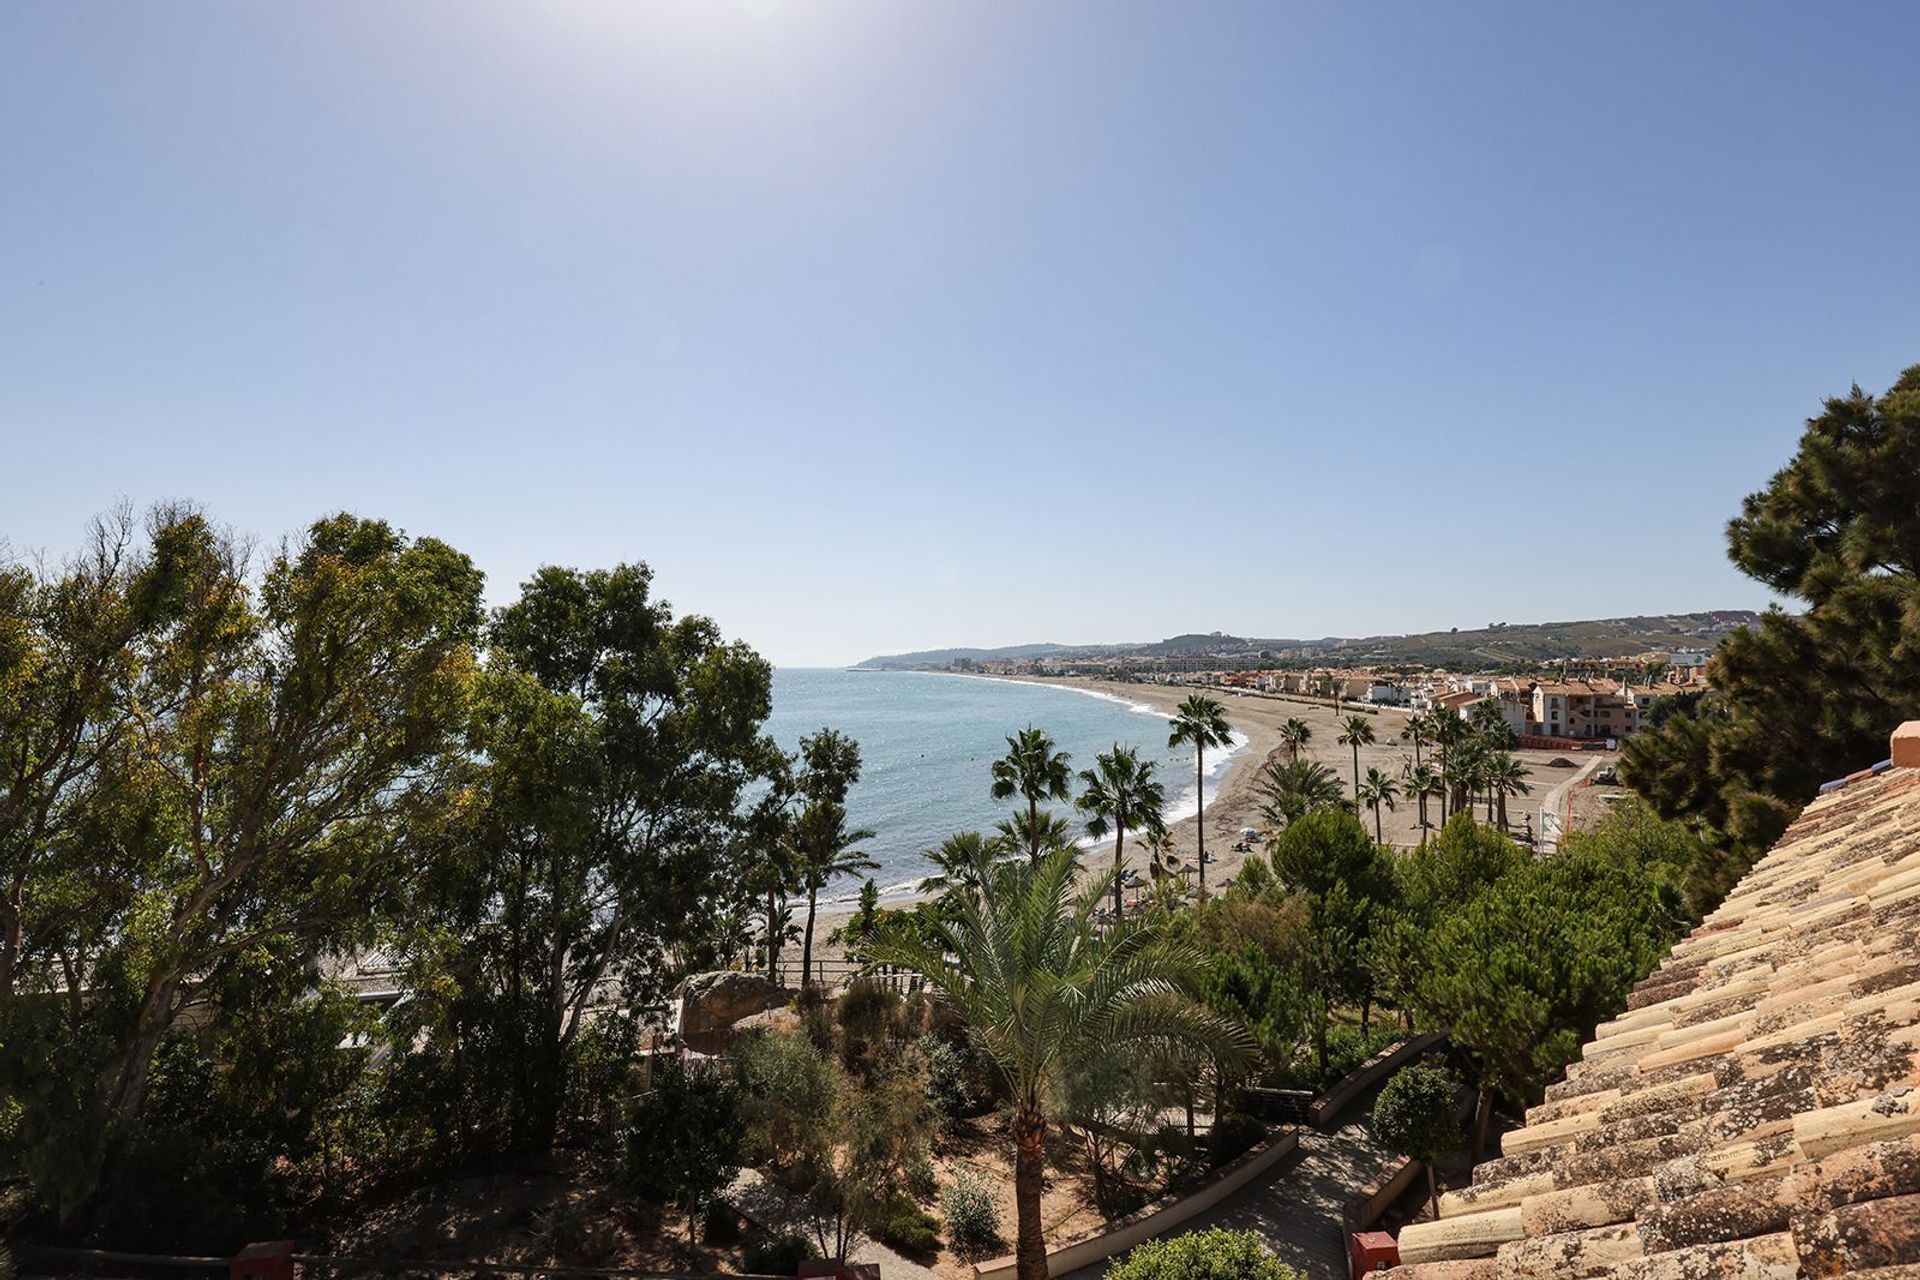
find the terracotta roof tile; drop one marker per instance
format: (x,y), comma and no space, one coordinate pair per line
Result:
(1754,1111)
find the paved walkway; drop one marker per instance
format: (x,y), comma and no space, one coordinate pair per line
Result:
(1296,1206)
(763,1204)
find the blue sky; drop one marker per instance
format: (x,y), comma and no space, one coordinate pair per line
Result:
(876,326)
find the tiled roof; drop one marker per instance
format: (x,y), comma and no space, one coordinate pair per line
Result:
(1755,1111)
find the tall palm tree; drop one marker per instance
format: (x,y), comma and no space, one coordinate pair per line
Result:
(963,861)
(1378,789)
(1121,795)
(1294,736)
(1202,722)
(1289,791)
(1044,996)
(1448,730)
(1419,728)
(1506,776)
(1420,782)
(1465,770)
(823,848)
(1032,769)
(1356,732)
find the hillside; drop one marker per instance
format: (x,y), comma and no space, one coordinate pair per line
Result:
(1495,645)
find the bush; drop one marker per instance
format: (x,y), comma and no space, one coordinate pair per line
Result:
(921,1183)
(778,1255)
(1233,1134)
(973,1219)
(953,1078)
(720,1223)
(1216,1254)
(908,1228)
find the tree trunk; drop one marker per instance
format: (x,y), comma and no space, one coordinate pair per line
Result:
(1029,1179)
(1482,1119)
(806,949)
(1033,832)
(1356,769)
(1200,809)
(1433,1191)
(1503,811)
(1377,837)
(1119,841)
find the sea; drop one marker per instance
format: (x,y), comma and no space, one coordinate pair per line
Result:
(928,741)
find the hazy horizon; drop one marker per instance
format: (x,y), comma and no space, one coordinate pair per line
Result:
(878,327)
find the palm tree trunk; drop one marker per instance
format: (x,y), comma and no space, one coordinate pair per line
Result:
(1377,837)
(1029,1177)
(1119,841)
(1033,831)
(1503,811)
(806,950)
(1356,770)
(1200,808)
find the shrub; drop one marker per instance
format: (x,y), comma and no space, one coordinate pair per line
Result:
(953,1078)
(1215,1254)
(720,1223)
(778,1255)
(1233,1134)
(921,1183)
(973,1219)
(907,1227)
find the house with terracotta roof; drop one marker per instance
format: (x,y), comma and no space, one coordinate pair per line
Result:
(1755,1110)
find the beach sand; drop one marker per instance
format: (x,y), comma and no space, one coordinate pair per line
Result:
(1237,802)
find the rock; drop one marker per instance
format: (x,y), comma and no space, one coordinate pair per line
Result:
(715,1001)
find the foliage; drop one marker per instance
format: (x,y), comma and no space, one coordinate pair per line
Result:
(1804,697)
(954,1077)
(778,1255)
(1213,1254)
(906,1226)
(1233,1135)
(972,1216)
(1200,722)
(1034,770)
(1121,795)
(1417,1116)
(1299,787)
(686,1136)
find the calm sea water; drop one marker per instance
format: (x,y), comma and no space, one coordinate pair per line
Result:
(927,742)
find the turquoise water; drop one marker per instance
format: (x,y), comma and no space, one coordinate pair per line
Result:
(927,741)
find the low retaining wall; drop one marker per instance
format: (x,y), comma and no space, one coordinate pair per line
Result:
(1371,1202)
(1363,1077)
(1156,1219)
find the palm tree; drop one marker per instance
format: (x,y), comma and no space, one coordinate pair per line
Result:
(1290,790)
(1161,859)
(1043,831)
(1121,795)
(1420,782)
(823,848)
(1044,995)
(1419,728)
(1294,736)
(1033,769)
(1506,776)
(1356,732)
(963,861)
(1448,730)
(1464,771)
(1378,789)
(1203,722)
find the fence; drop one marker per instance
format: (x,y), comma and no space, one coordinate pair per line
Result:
(269,1261)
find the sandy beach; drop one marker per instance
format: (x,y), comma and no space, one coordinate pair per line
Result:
(1237,802)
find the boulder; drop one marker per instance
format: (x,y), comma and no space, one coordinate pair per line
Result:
(715,1001)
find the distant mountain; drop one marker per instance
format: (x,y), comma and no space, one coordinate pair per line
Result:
(1498,644)
(936,658)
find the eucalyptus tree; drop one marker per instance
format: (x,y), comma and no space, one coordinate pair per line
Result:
(1200,722)
(1045,996)
(1294,736)
(1035,770)
(617,754)
(1121,795)
(1376,790)
(209,769)
(1356,731)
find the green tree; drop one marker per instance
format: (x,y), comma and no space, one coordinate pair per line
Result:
(1378,789)
(1806,696)
(1121,795)
(1042,992)
(1416,1116)
(616,749)
(1213,1254)
(1294,736)
(1298,787)
(685,1138)
(291,735)
(964,860)
(1505,776)
(824,848)
(1422,782)
(1449,731)
(1200,722)
(1356,731)
(1035,770)
(1419,728)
